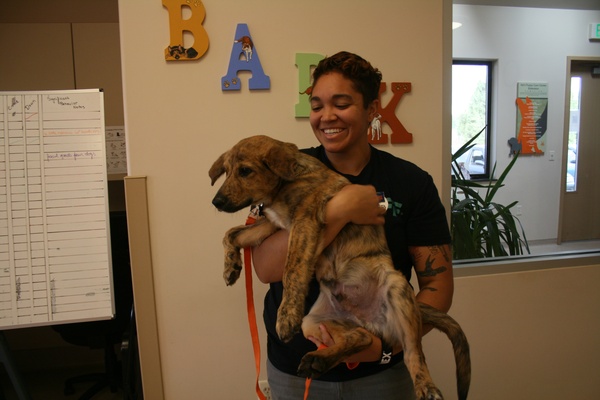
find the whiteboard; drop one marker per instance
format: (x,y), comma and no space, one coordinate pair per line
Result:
(55,263)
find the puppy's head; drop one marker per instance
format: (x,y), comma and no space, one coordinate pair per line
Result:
(254,168)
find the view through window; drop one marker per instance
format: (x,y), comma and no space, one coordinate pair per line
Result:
(471,108)
(573,134)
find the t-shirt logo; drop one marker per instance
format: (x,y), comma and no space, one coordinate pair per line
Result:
(394,206)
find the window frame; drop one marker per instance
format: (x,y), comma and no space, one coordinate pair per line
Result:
(488,117)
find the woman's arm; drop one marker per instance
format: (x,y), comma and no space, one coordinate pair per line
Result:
(354,203)
(268,258)
(433,266)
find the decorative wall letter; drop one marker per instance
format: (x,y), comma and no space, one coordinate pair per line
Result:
(304,62)
(244,58)
(177,26)
(388,115)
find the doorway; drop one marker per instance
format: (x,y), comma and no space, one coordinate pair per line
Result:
(580,194)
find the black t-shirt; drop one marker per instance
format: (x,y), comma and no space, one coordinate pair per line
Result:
(415,217)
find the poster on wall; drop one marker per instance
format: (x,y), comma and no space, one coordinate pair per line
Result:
(532,116)
(116,150)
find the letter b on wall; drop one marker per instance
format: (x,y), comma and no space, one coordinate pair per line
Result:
(178,26)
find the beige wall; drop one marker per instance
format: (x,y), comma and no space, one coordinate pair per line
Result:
(178,121)
(533,334)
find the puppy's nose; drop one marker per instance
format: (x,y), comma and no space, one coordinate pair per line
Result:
(219,201)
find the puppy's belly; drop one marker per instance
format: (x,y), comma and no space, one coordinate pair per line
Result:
(361,301)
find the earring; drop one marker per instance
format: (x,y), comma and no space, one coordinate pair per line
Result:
(376,127)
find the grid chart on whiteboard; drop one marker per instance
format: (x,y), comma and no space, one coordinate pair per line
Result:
(54,225)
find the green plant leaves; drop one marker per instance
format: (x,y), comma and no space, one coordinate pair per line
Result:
(481,227)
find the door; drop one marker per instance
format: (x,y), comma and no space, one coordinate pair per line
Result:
(580,213)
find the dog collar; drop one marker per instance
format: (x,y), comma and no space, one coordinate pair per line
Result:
(256,210)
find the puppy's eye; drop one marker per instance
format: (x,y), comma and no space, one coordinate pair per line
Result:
(244,172)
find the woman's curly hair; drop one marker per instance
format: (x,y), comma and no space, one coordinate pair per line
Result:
(365,78)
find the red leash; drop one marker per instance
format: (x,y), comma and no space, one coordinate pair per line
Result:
(309,380)
(254,212)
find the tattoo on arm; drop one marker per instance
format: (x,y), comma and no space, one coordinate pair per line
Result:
(429,270)
(441,250)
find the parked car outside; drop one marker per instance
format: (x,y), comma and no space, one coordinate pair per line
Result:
(571,169)
(473,160)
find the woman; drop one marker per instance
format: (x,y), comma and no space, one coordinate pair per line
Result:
(344,103)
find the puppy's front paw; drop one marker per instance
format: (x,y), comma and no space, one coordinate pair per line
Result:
(287,325)
(231,274)
(233,265)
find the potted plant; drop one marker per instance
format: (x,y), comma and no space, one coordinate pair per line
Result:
(481,227)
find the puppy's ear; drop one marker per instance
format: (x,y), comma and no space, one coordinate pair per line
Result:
(217,169)
(282,160)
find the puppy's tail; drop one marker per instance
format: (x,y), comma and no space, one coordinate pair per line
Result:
(452,329)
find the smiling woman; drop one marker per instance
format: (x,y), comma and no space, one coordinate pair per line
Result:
(344,104)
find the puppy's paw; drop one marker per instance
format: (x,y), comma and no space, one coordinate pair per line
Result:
(313,365)
(428,391)
(287,327)
(231,274)
(233,265)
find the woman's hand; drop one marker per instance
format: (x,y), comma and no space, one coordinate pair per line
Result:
(358,204)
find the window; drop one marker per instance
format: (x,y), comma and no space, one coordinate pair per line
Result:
(471,113)
(573,134)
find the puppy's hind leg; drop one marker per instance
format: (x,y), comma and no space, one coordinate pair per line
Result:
(403,313)
(414,359)
(347,337)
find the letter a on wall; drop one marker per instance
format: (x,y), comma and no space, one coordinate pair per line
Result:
(244,58)
(179,26)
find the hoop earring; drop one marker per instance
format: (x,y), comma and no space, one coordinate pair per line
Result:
(376,127)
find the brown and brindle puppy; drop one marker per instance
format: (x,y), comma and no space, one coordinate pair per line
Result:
(359,286)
